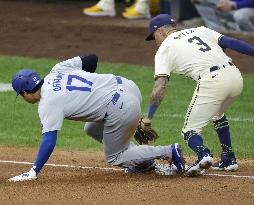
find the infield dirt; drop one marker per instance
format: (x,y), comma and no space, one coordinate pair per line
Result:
(60,30)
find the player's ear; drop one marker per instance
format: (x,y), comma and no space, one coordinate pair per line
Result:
(163,32)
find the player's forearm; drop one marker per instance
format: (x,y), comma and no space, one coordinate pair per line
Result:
(45,150)
(157,95)
(237,45)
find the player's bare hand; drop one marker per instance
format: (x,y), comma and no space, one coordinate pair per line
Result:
(225,6)
(31,175)
(145,123)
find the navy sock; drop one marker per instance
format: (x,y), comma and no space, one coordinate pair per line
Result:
(222,128)
(195,142)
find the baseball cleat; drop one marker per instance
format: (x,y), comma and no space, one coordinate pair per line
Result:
(131,13)
(97,11)
(226,165)
(142,168)
(204,162)
(31,175)
(166,169)
(177,158)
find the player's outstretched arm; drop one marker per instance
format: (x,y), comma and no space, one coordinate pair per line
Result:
(237,45)
(45,150)
(157,95)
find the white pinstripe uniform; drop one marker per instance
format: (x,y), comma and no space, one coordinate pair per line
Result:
(196,54)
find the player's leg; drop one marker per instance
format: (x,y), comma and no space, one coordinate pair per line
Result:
(120,126)
(206,101)
(200,111)
(94,130)
(140,158)
(243,18)
(228,159)
(221,125)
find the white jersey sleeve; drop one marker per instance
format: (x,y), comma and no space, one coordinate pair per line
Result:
(163,61)
(51,116)
(73,64)
(213,36)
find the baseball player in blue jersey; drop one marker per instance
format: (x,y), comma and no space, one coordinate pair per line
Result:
(198,53)
(110,106)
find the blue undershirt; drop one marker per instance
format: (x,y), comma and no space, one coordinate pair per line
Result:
(46,148)
(237,45)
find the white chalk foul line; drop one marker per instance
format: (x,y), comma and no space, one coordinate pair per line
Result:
(5,87)
(230,175)
(110,168)
(63,165)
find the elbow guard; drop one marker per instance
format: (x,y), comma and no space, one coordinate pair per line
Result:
(89,62)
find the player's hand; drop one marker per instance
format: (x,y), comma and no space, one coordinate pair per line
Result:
(31,175)
(145,123)
(225,6)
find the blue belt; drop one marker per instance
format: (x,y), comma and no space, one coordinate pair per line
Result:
(116,96)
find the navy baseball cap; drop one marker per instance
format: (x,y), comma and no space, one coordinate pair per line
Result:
(157,22)
(25,80)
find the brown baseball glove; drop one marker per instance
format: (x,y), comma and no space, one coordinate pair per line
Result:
(145,134)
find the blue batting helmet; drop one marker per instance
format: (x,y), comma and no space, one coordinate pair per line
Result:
(25,80)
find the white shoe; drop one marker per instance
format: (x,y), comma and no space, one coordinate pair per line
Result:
(31,175)
(203,163)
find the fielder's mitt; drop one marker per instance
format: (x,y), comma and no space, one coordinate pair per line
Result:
(145,136)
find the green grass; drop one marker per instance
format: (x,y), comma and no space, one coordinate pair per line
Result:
(20,123)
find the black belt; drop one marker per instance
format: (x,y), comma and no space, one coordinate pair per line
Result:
(116,96)
(216,67)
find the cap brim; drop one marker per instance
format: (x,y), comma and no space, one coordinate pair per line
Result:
(150,37)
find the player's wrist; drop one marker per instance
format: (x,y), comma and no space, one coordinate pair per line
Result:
(151,111)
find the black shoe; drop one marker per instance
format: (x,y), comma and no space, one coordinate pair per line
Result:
(228,164)
(142,168)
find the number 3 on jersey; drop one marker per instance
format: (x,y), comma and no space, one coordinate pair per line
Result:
(88,84)
(203,46)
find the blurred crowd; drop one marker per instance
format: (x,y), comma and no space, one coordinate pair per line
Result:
(220,15)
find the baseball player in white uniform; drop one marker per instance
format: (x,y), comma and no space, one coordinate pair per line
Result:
(198,53)
(110,106)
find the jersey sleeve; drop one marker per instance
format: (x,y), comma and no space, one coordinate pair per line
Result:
(51,116)
(212,35)
(163,62)
(70,64)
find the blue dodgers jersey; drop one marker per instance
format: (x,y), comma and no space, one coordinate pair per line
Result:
(69,92)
